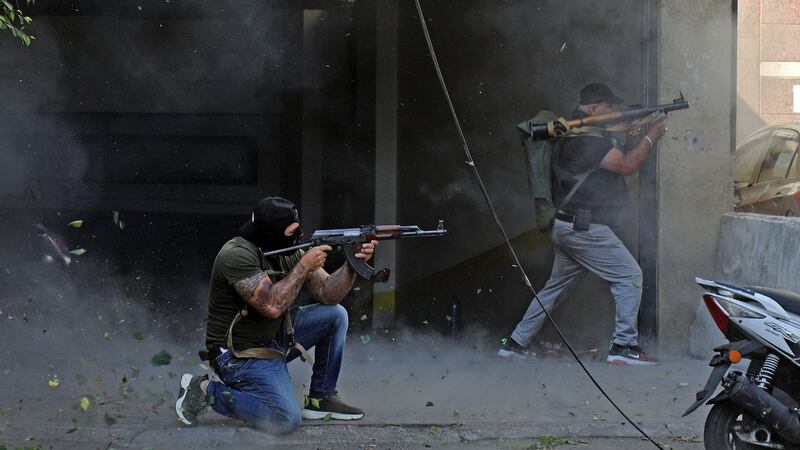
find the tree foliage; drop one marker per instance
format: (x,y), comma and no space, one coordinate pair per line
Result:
(13,20)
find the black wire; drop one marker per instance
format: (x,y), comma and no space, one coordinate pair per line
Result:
(485,193)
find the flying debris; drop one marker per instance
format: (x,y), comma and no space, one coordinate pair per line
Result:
(51,246)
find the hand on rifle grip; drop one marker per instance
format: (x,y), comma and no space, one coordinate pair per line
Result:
(314,259)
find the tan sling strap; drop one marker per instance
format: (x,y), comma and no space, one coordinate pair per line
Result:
(268,353)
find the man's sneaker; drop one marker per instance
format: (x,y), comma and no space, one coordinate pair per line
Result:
(509,348)
(191,399)
(623,355)
(330,408)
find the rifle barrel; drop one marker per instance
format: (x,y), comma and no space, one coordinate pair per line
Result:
(289,249)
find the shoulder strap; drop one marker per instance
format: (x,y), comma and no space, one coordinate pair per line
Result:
(579,181)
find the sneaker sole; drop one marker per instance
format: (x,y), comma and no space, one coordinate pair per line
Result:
(623,361)
(310,414)
(511,355)
(185,380)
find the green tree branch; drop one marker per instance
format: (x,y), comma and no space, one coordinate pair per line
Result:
(13,20)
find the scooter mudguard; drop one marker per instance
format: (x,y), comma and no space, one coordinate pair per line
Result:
(711,385)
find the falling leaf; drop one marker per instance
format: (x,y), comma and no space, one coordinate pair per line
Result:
(84,403)
(109,419)
(124,379)
(115,215)
(138,335)
(78,251)
(479,291)
(424,322)
(72,430)
(328,417)
(364,317)
(53,383)
(121,225)
(76,223)
(161,358)
(429,403)
(456,413)
(365,339)
(563,47)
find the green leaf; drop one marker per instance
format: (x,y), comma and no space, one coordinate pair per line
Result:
(365,339)
(115,216)
(84,404)
(364,317)
(429,403)
(109,419)
(71,430)
(161,358)
(78,251)
(138,335)
(76,223)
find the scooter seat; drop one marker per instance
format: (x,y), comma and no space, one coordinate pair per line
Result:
(788,300)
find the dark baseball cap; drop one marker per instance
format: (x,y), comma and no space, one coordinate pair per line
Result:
(597,93)
(271,214)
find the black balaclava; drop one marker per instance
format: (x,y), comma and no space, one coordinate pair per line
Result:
(270,218)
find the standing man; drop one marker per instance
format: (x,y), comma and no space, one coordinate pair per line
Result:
(254,329)
(582,234)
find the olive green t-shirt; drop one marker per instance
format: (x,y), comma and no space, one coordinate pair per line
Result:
(239,259)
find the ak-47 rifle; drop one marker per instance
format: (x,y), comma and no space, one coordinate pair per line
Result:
(349,239)
(637,116)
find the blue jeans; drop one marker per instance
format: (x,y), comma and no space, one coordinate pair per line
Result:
(259,391)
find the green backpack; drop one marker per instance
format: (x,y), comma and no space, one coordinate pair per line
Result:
(539,155)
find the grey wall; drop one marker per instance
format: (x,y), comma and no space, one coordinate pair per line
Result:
(695,187)
(753,250)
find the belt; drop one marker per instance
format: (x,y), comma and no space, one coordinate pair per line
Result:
(569,218)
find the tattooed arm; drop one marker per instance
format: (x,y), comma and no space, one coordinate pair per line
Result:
(273,299)
(330,289)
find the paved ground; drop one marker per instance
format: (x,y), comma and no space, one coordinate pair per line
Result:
(415,397)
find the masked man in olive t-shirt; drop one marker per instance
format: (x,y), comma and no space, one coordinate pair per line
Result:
(254,329)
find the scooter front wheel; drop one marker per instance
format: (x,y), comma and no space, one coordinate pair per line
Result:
(722,422)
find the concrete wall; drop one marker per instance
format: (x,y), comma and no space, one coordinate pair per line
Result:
(754,250)
(695,186)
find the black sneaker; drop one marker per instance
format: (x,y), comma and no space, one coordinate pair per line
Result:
(623,355)
(191,399)
(509,348)
(330,408)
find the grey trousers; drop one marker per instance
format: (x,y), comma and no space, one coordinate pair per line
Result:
(597,250)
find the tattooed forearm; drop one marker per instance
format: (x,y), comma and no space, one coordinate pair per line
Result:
(272,299)
(331,289)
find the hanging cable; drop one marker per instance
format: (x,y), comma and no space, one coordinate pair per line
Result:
(500,226)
